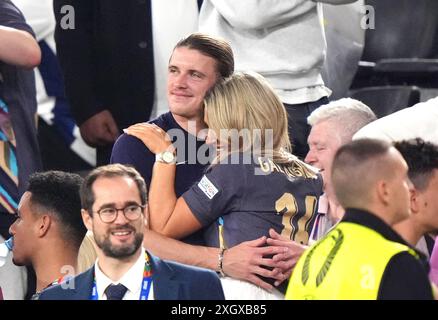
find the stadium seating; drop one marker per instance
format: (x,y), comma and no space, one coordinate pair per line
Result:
(388,99)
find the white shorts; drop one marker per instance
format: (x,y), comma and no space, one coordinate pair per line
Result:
(242,290)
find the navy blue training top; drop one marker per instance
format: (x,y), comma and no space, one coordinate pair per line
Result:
(253,197)
(192,158)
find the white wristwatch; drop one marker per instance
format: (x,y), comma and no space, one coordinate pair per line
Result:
(166,157)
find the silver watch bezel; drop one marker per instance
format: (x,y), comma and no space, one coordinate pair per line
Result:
(166,157)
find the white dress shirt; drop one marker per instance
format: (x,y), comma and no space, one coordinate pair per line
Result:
(132,280)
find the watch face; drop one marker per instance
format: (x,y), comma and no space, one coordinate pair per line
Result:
(168,156)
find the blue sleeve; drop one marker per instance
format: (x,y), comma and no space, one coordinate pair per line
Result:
(218,192)
(11,16)
(131,151)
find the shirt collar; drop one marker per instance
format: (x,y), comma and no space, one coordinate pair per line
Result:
(371,221)
(132,279)
(323,204)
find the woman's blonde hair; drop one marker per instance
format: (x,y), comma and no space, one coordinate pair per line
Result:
(87,253)
(246,103)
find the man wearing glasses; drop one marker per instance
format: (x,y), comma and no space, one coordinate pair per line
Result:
(114,208)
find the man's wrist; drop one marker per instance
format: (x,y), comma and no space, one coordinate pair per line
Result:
(167,157)
(220,262)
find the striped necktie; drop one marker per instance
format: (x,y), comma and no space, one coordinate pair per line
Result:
(8,163)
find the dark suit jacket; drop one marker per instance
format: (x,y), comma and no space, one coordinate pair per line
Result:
(107,59)
(171,281)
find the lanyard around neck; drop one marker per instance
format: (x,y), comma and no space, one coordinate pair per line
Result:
(145,285)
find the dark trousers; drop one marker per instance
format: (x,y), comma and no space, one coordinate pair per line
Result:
(103,155)
(55,153)
(298,128)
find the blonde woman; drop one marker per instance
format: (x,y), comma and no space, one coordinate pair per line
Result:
(253,184)
(87,253)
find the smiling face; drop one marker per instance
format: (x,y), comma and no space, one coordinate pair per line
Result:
(323,143)
(121,238)
(190,75)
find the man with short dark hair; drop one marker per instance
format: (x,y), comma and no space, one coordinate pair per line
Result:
(422,159)
(49,230)
(114,208)
(363,257)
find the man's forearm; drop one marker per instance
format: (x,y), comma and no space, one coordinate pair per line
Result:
(171,249)
(18,48)
(245,261)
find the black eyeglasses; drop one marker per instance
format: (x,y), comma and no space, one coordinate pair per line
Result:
(131,212)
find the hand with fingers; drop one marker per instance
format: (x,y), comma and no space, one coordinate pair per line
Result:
(99,130)
(249,261)
(285,260)
(154,138)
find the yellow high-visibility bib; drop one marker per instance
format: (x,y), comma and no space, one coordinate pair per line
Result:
(348,263)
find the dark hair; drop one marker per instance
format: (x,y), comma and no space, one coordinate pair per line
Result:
(216,48)
(110,171)
(422,159)
(57,193)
